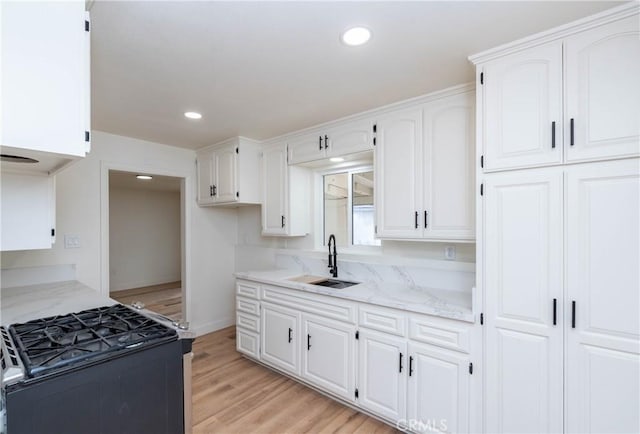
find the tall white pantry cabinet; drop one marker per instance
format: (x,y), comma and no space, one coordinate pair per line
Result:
(558,228)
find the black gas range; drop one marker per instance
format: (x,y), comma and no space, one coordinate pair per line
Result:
(109,369)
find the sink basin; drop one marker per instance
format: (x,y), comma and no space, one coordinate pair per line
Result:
(323,281)
(335,283)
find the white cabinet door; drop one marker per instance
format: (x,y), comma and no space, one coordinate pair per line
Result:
(274,186)
(382,380)
(205,177)
(328,355)
(306,148)
(45,97)
(603,253)
(27,211)
(523,106)
(280,340)
(350,138)
(398,188)
(449,173)
(603,91)
(523,278)
(225,174)
(438,394)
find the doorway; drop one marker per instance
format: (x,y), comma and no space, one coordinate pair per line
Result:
(145,241)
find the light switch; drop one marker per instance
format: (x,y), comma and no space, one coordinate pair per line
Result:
(71,241)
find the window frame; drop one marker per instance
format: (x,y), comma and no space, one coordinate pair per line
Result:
(320,239)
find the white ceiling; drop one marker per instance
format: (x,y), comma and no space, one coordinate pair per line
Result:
(261,69)
(128,181)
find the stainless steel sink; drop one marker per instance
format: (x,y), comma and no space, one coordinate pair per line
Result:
(334,283)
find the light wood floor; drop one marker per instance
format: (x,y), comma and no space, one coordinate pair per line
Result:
(165,299)
(234,395)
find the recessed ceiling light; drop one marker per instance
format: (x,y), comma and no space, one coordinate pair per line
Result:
(336,159)
(192,115)
(356,36)
(145,177)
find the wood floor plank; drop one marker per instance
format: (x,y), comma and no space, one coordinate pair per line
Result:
(232,394)
(165,299)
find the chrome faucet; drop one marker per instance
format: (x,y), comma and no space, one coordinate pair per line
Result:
(333,257)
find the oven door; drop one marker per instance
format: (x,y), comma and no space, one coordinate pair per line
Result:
(138,392)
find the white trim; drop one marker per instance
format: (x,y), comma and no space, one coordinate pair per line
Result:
(444,93)
(213,326)
(186,186)
(560,32)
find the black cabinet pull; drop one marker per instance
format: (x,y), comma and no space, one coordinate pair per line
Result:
(211,190)
(416,219)
(555,307)
(320,142)
(410,366)
(426,219)
(326,142)
(282,221)
(571,132)
(553,134)
(400,363)
(573,314)
(290,334)
(215,190)
(308,342)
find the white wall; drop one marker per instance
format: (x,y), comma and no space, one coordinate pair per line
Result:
(213,231)
(144,237)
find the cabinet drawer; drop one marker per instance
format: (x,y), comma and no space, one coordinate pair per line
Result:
(247,305)
(248,289)
(441,332)
(249,322)
(384,320)
(327,307)
(248,343)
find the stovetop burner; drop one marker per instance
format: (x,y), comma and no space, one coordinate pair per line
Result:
(58,343)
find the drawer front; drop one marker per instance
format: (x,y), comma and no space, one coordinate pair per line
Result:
(328,307)
(441,332)
(248,289)
(248,305)
(249,322)
(383,320)
(248,343)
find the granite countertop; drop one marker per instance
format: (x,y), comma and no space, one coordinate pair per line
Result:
(25,303)
(431,301)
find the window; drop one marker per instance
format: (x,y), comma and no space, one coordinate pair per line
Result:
(348,211)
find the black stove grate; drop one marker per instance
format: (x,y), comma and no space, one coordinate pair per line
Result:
(57,343)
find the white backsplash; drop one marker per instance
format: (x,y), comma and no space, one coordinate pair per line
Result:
(432,274)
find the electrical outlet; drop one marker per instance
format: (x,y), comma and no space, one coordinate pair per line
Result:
(450,252)
(71,241)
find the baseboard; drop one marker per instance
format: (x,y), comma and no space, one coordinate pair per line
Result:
(141,284)
(213,326)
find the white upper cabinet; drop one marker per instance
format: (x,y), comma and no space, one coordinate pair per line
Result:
(603,297)
(229,173)
(449,169)
(424,171)
(523,109)
(576,98)
(343,139)
(45,78)
(27,211)
(397,174)
(286,193)
(603,92)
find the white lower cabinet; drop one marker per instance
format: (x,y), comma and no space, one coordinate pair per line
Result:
(280,344)
(411,370)
(438,390)
(328,355)
(382,385)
